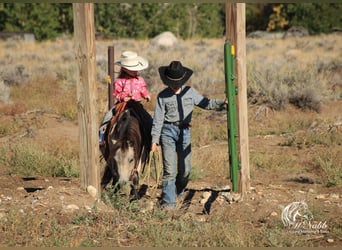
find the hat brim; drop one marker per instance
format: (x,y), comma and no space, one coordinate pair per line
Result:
(174,83)
(141,64)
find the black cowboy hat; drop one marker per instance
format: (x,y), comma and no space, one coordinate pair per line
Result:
(174,75)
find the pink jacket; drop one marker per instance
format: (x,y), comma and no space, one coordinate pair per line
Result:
(130,87)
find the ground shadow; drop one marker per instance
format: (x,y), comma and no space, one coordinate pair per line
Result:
(190,193)
(32,189)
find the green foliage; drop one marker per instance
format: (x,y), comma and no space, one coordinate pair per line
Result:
(257,16)
(316,17)
(45,20)
(331,167)
(276,89)
(209,15)
(30,160)
(146,20)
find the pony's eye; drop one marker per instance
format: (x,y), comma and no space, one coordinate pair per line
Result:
(131,160)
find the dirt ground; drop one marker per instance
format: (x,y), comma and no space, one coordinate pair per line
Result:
(61,197)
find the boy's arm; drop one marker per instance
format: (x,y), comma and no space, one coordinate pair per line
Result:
(206,103)
(158,121)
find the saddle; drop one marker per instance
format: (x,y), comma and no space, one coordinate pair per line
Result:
(104,148)
(138,111)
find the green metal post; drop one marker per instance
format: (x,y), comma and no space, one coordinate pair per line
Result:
(232,128)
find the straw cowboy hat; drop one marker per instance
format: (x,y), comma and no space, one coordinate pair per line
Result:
(131,61)
(174,75)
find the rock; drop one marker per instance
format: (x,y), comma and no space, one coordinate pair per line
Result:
(320,197)
(92,191)
(236,197)
(201,218)
(204,197)
(330,240)
(220,200)
(227,196)
(265,34)
(273,214)
(334,196)
(147,206)
(226,188)
(166,39)
(88,208)
(20,188)
(71,207)
(296,31)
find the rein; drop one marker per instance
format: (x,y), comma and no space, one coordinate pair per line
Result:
(120,107)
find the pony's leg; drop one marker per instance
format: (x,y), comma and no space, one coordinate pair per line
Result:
(106,177)
(134,187)
(116,177)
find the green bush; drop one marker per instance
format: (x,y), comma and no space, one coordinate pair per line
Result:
(30,160)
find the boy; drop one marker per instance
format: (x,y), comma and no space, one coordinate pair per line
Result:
(171,128)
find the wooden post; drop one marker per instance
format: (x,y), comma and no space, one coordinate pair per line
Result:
(84,36)
(111,76)
(236,34)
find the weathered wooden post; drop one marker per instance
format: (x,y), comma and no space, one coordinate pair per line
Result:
(236,34)
(110,76)
(84,36)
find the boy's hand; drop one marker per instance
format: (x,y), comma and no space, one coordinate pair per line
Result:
(154,147)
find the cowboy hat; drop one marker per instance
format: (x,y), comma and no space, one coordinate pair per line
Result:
(131,61)
(174,75)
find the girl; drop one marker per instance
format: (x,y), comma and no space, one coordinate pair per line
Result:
(128,86)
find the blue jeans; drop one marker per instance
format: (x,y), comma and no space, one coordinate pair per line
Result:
(176,150)
(105,120)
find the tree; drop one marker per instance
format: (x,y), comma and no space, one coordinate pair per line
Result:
(316,17)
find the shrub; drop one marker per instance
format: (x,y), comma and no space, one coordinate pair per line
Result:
(30,160)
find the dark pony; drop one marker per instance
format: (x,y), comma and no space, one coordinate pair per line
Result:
(127,146)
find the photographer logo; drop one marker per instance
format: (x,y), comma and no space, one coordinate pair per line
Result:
(297,218)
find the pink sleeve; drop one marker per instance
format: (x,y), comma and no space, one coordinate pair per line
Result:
(143,88)
(119,91)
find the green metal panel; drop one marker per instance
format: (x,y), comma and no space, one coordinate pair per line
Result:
(232,127)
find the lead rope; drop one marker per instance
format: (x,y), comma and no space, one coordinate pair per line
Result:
(156,158)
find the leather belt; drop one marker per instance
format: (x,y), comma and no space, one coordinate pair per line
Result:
(179,124)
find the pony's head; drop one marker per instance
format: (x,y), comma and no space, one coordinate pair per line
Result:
(125,146)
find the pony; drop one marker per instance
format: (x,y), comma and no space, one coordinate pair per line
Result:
(128,142)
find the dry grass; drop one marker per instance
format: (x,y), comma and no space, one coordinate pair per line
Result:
(303,71)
